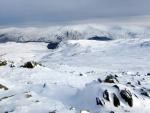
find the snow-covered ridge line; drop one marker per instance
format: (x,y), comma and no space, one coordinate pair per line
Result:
(75,32)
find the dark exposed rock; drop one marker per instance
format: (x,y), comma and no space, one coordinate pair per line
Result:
(139,83)
(135,95)
(106,95)
(3,87)
(145,93)
(111,79)
(3,63)
(99,80)
(129,83)
(53,45)
(80,74)
(72,108)
(100,38)
(37,101)
(148,74)
(132,85)
(117,87)
(44,85)
(53,111)
(126,111)
(28,95)
(137,74)
(12,65)
(116,76)
(100,101)
(112,112)
(30,64)
(6,97)
(116,101)
(127,96)
(10,111)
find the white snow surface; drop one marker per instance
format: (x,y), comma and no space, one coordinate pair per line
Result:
(67,80)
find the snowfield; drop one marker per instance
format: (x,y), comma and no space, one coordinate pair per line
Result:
(81,75)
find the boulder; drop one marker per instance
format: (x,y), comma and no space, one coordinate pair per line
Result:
(116,101)
(54,111)
(145,92)
(12,65)
(30,64)
(3,63)
(53,45)
(129,83)
(100,101)
(112,112)
(3,87)
(99,80)
(139,83)
(111,79)
(116,86)
(148,74)
(28,95)
(106,95)
(127,96)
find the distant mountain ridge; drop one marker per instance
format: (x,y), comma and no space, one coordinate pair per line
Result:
(72,32)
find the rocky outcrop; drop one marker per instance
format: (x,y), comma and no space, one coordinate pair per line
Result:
(116,86)
(53,45)
(3,87)
(116,101)
(3,62)
(106,95)
(112,112)
(145,92)
(30,64)
(100,101)
(111,79)
(127,96)
(99,80)
(52,111)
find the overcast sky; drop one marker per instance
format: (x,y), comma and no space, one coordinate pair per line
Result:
(59,11)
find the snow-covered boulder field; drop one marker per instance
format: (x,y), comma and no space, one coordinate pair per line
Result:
(75,69)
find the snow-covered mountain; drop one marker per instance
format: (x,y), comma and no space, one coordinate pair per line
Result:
(72,32)
(80,75)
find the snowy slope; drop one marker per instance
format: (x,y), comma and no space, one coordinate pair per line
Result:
(67,81)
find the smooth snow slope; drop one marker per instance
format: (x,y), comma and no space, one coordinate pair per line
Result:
(67,81)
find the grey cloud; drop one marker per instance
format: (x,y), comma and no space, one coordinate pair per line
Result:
(55,11)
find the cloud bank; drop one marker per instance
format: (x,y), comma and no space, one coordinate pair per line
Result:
(59,11)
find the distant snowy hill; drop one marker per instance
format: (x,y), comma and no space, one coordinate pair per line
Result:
(74,32)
